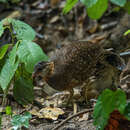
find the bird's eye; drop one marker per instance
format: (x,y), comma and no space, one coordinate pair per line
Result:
(39,77)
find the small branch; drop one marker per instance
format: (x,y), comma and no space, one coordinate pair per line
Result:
(70,117)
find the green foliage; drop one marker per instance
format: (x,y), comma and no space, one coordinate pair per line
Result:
(127,32)
(8,110)
(127,7)
(107,102)
(9,68)
(21,120)
(119,2)
(4,1)
(19,61)
(30,53)
(12,1)
(23,91)
(23,31)
(69,5)
(127,111)
(89,3)
(95,8)
(1,28)
(3,50)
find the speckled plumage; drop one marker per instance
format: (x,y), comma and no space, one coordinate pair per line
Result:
(73,64)
(76,62)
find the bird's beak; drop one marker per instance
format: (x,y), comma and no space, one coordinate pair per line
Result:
(50,66)
(121,67)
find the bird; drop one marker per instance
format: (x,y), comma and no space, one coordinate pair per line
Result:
(75,64)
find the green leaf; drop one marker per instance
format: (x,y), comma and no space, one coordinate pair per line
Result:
(120,100)
(99,115)
(98,9)
(21,120)
(127,32)
(3,50)
(89,3)
(30,53)
(69,5)
(117,100)
(23,91)
(9,68)
(127,7)
(119,2)
(23,31)
(4,1)
(1,28)
(107,102)
(8,110)
(7,74)
(127,111)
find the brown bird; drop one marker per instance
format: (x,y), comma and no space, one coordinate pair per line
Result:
(75,64)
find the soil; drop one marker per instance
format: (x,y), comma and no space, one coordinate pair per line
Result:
(53,29)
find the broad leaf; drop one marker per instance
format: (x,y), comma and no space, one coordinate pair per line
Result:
(22,30)
(69,5)
(23,91)
(98,9)
(21,120)
(7,73)
(127,111)
(1,28)
(30,53)
(107,102)
(120,100)
(117,100)
(89,3)
(9,68)
(119,2)
(99,115)
(3,50)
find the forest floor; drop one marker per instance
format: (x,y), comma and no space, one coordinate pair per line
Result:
(53,29)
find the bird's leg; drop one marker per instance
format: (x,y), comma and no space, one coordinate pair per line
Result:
(89,90)
(71,100)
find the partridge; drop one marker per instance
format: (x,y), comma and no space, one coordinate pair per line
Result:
(75,64)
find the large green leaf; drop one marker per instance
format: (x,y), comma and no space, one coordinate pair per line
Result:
(3,50)
(89,3)
(69,5)
(9,68)
(23,31)
(1,28)
(119,2)
(30,53)
(98,9)
(23,91)
(107,102)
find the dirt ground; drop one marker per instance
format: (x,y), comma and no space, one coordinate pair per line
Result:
(53,29)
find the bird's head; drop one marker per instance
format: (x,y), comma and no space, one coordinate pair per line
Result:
(42,71)
(115,61)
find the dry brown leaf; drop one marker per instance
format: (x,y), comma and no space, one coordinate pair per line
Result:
(54,19)
(50,113)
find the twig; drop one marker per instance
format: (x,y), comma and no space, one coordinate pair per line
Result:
(70,117)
